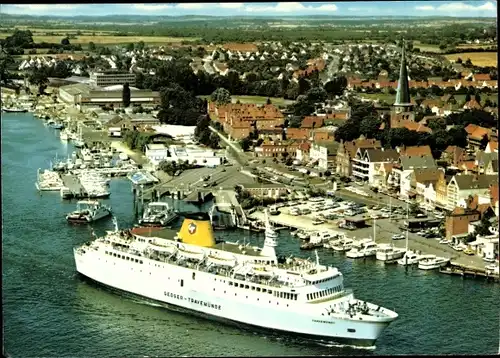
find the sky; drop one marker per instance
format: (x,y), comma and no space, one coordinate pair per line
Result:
(355,8)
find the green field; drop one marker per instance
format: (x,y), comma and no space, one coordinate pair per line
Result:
(257,100)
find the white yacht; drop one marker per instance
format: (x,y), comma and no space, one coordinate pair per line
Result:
(63,135)
(432,262)
(362,248)
(157,214)
(387,252)
(88,211)
(344,245)
(237,283)
(412,258)
(48,181)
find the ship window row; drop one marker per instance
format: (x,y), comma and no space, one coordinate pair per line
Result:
(320,294)
(127,258)
(285,295)
(323,280)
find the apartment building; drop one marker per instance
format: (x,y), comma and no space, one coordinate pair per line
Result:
(112,78)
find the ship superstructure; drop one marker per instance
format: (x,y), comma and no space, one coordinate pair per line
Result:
(236,282)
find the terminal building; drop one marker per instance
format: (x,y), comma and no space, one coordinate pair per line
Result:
(111,78)
(85,95)
(157,153)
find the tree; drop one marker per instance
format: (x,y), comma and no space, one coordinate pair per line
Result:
(126,95)
(92,46)
(467,97)
(369,127)
(140,46)
(65,42)
(221,96)
(459,60)
(316,94)
(477,97)
(268,101)
(414,208)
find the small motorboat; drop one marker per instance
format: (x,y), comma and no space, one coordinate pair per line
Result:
(432,262)
(88,211)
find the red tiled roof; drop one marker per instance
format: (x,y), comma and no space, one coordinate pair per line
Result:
(297,133)
(416,150)
(309,121)
(242,47)
(482,77)
(337,115)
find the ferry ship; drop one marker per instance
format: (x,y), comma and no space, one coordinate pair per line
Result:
(233,282)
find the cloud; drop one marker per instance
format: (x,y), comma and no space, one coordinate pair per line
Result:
(459,7)
(192,6)
(44,7)
(234,5)
(290,7)
(330,7)
(425,8)
(148,7)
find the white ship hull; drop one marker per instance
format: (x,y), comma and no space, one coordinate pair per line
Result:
(432,265)
(360,254)
(389,256)
(198,291)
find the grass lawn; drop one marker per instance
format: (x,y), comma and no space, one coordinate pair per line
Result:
(257,100)
(426,47)
(477,58)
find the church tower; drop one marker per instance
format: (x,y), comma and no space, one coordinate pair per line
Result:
(402,108)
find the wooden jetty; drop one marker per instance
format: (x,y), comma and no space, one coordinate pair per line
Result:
(466,272)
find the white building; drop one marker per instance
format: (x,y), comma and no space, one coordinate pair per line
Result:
(320,154)
(156,153)
(366,163)
(184,134)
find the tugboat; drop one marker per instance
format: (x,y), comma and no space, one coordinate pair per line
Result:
(88,211)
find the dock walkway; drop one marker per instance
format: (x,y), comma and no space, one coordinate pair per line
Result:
(73,184)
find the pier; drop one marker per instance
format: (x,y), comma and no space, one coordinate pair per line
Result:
(467,272)
(73,184)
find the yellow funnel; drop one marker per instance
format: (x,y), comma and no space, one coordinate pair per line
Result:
(197,232)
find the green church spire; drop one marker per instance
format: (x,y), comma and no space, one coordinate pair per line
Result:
(403,92)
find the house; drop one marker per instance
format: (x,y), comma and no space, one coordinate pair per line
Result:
(403,170)
(423,182)
(453,155)
(302,152)
(312,122)
(491,147)
(487,163)
(423,150)
(347,151)
(441,189)
(479,77)
(477,136)
(267,190)
(457,223)
(472,104)
(464,185)
(297,133)
(494,198)
(276,149)
(323,153)
(383,176)
(366,163)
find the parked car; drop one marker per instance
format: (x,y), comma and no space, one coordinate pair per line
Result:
(398,237)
